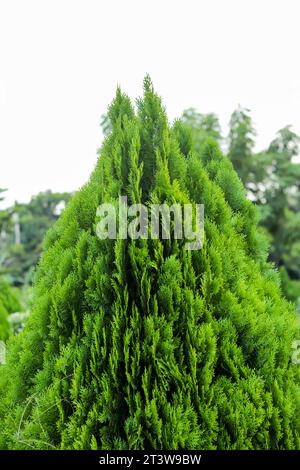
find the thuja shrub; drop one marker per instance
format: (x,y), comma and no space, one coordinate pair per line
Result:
(142,344)
(9,303)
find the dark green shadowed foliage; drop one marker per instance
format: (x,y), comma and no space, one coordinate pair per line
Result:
(144,344)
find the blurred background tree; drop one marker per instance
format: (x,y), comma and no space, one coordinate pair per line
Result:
(280,211)
(241,141)
(202,126)
(23,228)
(271,178)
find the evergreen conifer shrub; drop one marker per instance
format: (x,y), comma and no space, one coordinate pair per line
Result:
(142,344)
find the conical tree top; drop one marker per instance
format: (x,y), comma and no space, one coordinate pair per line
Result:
(140,344)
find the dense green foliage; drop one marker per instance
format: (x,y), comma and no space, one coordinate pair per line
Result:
(4,324)
(144,344)
(9,303)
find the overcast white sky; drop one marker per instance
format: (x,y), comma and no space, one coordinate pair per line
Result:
(60,62)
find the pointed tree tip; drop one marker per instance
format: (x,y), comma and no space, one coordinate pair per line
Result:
(148,85)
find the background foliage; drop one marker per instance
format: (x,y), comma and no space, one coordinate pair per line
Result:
(272,180)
